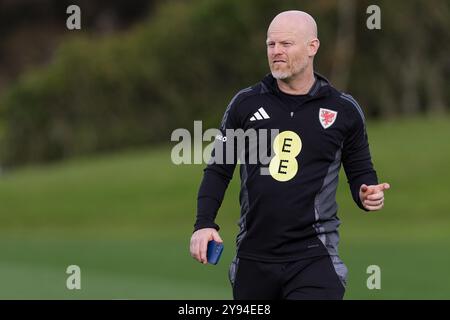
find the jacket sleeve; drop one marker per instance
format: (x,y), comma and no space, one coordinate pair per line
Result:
(219,170)
(356,157)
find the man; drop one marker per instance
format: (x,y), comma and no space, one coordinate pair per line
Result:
(288,239)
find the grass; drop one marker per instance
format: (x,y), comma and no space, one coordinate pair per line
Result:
(126,220)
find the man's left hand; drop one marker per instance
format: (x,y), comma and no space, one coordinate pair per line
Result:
(372,197)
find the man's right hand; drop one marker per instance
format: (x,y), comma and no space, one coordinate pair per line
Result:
(199,243)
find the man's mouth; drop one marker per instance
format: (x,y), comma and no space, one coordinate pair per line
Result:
(279,61)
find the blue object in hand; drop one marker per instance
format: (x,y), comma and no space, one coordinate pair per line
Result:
(214,251)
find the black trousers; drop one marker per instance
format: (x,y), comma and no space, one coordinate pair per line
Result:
(310,278)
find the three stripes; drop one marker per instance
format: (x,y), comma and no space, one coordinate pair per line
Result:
(260,115)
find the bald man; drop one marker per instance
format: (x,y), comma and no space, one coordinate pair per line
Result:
(287,246)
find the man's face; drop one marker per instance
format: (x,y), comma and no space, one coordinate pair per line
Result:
(287,54)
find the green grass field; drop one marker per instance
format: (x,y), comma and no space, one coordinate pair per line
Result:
(126,220)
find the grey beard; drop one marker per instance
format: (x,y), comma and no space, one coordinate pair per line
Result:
(281,75)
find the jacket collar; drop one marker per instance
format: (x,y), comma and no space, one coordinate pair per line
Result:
(319,88)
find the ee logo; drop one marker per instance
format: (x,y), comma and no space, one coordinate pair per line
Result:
(286,146)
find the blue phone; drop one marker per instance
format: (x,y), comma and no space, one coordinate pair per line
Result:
(214,251)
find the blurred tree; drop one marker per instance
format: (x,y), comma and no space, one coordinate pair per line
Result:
(188,60)
(31,30)
(344,43)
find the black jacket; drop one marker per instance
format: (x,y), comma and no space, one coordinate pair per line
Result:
(290,213)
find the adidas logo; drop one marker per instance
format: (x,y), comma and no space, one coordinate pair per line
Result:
(260,115)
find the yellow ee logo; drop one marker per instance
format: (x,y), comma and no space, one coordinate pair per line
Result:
(286,146)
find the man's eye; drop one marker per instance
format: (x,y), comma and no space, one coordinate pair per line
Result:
(271,45)
(287,44)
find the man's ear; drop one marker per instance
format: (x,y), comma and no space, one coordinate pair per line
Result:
(313,47)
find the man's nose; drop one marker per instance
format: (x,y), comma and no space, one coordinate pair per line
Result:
(277,49)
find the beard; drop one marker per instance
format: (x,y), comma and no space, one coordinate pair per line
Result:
(297,67)
(281,74)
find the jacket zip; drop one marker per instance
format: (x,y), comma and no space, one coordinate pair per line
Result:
(304,102)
